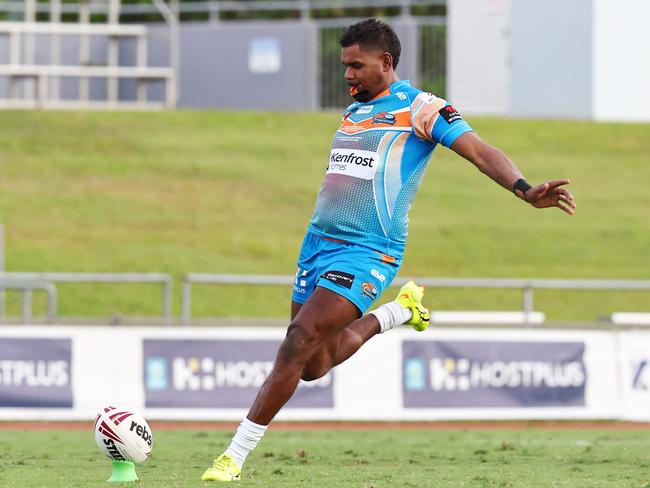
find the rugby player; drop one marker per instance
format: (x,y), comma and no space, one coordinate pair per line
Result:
(356,237)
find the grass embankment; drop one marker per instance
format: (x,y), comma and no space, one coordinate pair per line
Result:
(225,192)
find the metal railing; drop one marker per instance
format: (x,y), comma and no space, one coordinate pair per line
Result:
(47,279)
(30,282)
(28,287)
(42,81)
(429,47)
(525,285)
(214,8)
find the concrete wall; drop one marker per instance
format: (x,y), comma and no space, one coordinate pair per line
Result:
(621,65)
(551,51)
(219,63)
(582,59)
(478,45)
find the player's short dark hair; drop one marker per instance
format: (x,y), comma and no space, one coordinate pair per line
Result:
(373,34)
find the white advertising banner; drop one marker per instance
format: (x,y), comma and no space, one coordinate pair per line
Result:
(635,375)
(194,373)
(466,374)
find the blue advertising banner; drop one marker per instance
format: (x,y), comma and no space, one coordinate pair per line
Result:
(35,372)
(448,374)
(218,374)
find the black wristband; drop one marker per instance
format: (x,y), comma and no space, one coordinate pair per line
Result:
(521,185)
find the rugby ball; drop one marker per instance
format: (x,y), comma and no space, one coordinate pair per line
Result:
(122,435)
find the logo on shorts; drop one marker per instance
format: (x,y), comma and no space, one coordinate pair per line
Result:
(340,278)
(369,290)
(378,275)
(384,118)
(300,283)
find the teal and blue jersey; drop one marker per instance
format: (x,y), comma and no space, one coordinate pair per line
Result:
(376,164)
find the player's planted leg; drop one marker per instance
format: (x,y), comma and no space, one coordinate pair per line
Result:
(224,468)
(321,317)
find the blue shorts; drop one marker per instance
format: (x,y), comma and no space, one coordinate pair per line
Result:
(355,272)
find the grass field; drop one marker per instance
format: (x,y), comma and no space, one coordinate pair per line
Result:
(227,192)
(529,458)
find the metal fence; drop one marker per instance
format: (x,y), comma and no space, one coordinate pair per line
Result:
(333,88)
(28,287)
(432,55)
(36,85)
(217,10)
(28,283)
(527,286)
(46,281)
(427,45)
(429,50)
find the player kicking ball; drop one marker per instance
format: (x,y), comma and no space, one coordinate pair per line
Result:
(356,237)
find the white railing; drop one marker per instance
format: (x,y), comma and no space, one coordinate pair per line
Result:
(44,79)
(526,286)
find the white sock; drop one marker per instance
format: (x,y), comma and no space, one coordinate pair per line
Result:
(391,315)
(248,435)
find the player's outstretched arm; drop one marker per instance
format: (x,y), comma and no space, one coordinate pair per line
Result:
(494,163)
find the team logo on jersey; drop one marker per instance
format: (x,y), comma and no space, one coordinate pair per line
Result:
(384,118)
(339,277)
(366,109)
(450,114)
(369,290)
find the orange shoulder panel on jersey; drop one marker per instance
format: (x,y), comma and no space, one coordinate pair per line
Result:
(424,112)
(401,120)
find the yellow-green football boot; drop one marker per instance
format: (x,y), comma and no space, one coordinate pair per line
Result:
(410,296)
(223,468)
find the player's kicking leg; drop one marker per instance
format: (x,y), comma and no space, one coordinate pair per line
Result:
(406,309)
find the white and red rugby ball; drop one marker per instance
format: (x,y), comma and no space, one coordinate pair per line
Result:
(123,435)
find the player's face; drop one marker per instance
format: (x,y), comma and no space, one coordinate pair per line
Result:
(367,71)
